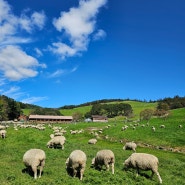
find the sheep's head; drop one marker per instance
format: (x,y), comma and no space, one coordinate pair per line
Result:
(127,163)
(67,161)
(93,162)
(50,144)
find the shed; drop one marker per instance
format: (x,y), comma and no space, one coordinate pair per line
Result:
(51,118)
(98,118)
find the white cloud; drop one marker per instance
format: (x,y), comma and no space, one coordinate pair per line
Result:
(15,64)
(78,23)
(38,52)
(11,25)
(2,82)
(100,34)
(38,19)
(62,49)
(32,100)
(13,92)
(57,73)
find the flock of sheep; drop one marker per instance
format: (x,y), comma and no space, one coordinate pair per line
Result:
(76,162)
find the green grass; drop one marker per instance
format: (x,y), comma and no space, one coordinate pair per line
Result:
(171,164)
(69,112)
(136,106)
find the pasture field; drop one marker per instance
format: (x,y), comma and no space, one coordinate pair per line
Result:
(171,163)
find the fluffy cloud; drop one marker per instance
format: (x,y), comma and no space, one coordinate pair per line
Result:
(15,64)
(100,34)
(78,23)
(11,25)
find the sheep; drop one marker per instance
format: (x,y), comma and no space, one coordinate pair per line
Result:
(153,128)
(104,157)
(77,163)
(92,141)
(130,146)
(162,126)
(3,134)
(57,140)
(143,161)
(34,158)
(180,126)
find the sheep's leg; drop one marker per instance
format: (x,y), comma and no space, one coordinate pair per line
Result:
(112,165)
(34,168)
(81,173)
(137,172)
(41,168)
(74,173)
(159,177)
(107,167)
(62,147)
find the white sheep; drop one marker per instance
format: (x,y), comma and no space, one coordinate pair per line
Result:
(33,159)
(76,162)
(162,126)
(92,141)
(104,157)
(153,128)
(3,134)
(143,161)
(56,141)
(130,146)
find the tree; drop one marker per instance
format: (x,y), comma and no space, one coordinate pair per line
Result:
(146,114)
(163,106)
(77,116)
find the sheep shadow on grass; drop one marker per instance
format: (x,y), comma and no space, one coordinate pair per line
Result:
(139,173)
(29,171)
(70,172)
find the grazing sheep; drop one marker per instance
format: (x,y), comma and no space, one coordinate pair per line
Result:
(153,128)
(162,126)
(92,141)
(2,127)
(143,161)
(34,158)
(3,134)
(76,162)
(56,141)
(180,126)
(130,146)
(104,157)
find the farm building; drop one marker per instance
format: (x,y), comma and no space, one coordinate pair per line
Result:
(98,118)
(49,118)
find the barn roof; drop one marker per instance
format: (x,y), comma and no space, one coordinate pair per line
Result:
(50,117)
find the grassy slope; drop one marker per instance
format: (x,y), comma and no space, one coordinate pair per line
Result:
(170,167)
(137,107)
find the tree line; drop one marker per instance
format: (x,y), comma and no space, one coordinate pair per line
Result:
(110,110)
(11,109)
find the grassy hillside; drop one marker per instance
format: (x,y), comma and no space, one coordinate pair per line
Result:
(136,105)
(137,108)
(171,157)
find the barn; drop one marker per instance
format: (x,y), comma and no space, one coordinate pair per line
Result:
(98,118)
(50,118)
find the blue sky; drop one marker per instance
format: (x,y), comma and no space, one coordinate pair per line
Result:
(69,52)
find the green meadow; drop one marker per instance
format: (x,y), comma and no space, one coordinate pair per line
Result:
(168,144)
